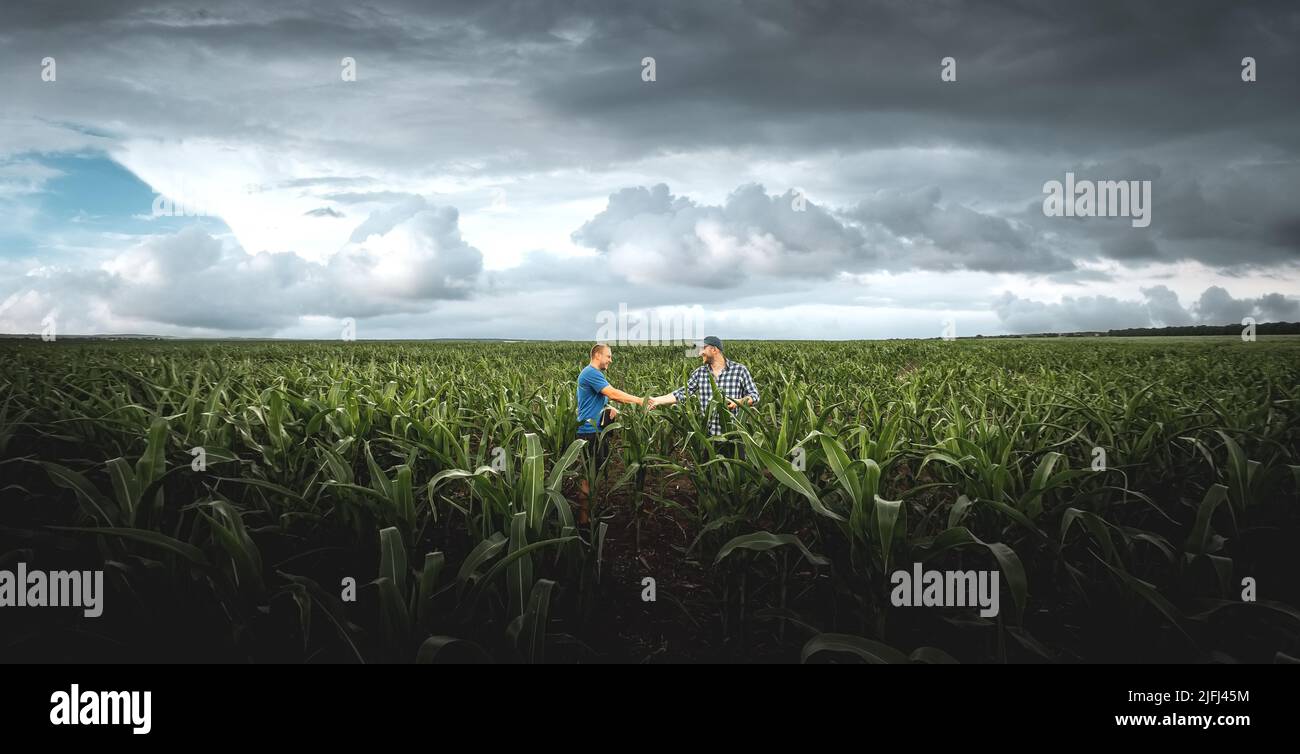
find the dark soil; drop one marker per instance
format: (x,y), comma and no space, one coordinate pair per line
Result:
(683,622)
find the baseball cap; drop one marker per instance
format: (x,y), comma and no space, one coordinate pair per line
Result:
(712,340)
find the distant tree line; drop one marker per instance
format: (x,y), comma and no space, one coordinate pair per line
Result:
(1265,328)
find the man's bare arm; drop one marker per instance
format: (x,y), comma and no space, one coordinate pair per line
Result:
(614,393)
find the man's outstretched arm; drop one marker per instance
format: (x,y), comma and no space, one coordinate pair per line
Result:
(614,394)
(680,393)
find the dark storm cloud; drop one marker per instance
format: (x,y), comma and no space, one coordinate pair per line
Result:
(1080,276)
(1072,77)
(1278,308)
(1163,307)
(1217,306)
(953,236)
(1249,208)
(1239,214)
(1130,247)
(1051,76)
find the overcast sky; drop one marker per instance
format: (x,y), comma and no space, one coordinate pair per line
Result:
(796,170)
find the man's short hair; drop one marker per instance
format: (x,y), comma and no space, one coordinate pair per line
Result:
(597,349)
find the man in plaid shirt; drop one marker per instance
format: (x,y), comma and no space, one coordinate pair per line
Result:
(733,380)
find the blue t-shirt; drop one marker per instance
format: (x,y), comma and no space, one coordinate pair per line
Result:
(590,401)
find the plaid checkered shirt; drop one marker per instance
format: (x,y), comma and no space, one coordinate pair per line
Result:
(735,383)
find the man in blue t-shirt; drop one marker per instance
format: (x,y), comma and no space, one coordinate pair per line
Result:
(594,392)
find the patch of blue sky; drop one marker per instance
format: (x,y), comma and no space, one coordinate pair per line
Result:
(91,195)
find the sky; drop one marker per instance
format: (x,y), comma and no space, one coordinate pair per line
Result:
(790,170)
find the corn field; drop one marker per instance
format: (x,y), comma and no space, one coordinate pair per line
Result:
(415,502)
